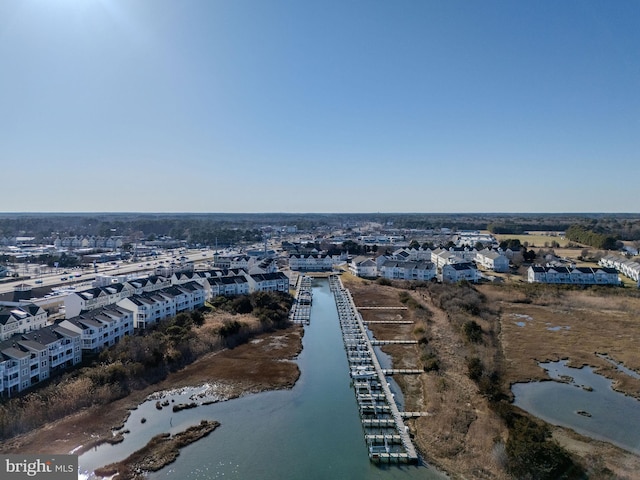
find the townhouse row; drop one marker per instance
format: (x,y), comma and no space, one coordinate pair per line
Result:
(100,317)
(29,358)
(20,317)
(213,283)
(572,275)
(447,265)
(629,268)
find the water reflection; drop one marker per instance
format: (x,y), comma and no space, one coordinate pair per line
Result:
(312,431)
(585,402)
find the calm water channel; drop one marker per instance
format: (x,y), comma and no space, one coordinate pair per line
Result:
(613,418)
(312,431)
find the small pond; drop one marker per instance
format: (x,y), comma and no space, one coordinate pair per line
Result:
(584,401)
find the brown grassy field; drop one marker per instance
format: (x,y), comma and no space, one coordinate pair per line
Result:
(260,364)
(460,433)
(534,240)
(591,321)
(587,322)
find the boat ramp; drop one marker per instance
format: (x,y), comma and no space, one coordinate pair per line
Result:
(385,433)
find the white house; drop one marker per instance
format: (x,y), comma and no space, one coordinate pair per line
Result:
(228,286)
(572,275)
(29,358)
(455,272)
(15,368)
(266,265)
(245,262)
(420,271)
(311,262)
(492,260)
(149,284)
(412,254)
(629,268)
(20,317)
(442,256)
(268,282)
(101,328)
(149,308)
(362,266)
(97,297)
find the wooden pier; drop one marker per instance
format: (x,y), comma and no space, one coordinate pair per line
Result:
(394,342)
(399,307)
(301,308)
(389,322)
(405,371)
(385,433)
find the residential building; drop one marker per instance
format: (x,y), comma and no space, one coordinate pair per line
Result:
(268,282)
(102,327)
(228,286)
(416,271)
(20,317)
(493,260)
(629,268)
(150,307)
(365,267)
(311,262)
(96,297)
(572,275)
(29,358)
(456,272)
(442,256)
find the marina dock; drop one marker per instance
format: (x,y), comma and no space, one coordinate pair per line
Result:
(385,433)
(301,308)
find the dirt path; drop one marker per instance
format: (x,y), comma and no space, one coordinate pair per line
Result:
(459,434)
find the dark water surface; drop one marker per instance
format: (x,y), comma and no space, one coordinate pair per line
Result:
(310,432)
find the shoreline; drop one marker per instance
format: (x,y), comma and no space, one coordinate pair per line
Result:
(235,369)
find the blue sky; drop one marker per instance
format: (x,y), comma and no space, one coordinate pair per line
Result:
(327,106)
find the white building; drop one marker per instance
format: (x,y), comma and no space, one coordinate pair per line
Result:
(312,262)
(416,271)
(441,256)
(492,260)
(20,317)
(365,267)
(101,328)
(228,286)
(29,358)
(629,268)
(98,297)
(149,308)
(412,254)
(456,272)
(268,282)
(573,275)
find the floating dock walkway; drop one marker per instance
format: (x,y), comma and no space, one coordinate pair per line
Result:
(301,308)
(387,438)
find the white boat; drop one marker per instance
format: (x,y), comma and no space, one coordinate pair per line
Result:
(362,371)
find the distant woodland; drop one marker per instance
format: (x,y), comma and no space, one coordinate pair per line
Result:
(207,228)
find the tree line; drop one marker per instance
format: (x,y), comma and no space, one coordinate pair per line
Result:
(583,235)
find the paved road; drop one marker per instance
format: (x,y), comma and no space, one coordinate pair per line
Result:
(87,274)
